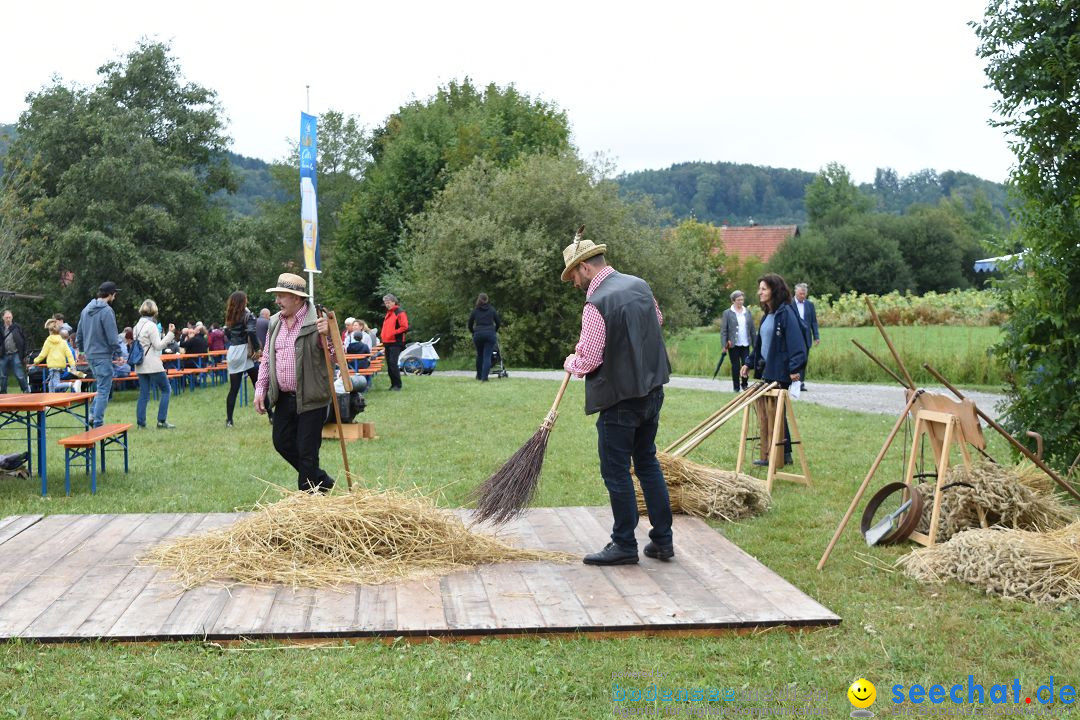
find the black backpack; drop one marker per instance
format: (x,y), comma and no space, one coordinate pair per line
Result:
(350,405)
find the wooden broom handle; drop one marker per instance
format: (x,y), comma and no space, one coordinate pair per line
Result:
(554,412)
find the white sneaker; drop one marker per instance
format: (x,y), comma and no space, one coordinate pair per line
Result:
(77,386)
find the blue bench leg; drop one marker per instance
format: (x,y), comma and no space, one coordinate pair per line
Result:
(93,470)
(125,452)
(67,471)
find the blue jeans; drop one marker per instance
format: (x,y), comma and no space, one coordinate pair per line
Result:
(625,431)
(103,377)
(485,346)
(55,381)
(7,363)
(160,380)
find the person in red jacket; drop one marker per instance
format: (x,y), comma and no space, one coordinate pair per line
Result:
(394,327)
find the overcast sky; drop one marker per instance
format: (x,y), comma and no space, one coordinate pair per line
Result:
(780,83)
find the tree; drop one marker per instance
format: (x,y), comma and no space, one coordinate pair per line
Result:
(415,154)
(703,247)
(930,245)
(808,258)
(832,199)
(1032,49)
(119,180)
(501,231)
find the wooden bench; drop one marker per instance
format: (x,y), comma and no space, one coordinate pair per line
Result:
(84,445)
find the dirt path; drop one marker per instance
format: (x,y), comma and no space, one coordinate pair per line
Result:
(882,399)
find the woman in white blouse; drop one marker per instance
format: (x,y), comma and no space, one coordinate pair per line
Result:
(737,335)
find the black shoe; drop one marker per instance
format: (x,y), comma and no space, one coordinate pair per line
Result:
(802,387)
(612,554)
(142,426)
(165,425)
(761,463)
(659,552)
(395,389)
(788,460)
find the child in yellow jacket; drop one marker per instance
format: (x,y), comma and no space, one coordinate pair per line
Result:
(57,354)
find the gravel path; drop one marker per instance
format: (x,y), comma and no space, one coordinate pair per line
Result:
(882,399)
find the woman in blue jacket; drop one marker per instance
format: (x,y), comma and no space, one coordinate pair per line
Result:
(779,355)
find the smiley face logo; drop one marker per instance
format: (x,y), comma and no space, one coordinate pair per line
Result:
(862,693)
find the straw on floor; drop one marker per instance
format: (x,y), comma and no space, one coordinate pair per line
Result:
(709,492)
(1018,497)
(1042,567)
(365,537)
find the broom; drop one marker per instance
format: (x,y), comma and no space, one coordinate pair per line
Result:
(505,494)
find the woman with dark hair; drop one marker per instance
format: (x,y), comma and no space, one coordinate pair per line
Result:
(243,347)
(484,322)
(779,354)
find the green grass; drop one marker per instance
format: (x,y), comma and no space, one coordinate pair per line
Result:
(447,434)
(958,352)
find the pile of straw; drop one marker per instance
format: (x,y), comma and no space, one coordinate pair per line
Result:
(1018,497)
(311,540)
(708,492)
(1017,564)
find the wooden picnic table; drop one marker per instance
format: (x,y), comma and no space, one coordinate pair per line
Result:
(31,410)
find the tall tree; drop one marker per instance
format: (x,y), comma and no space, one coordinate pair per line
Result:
(832,199)
(415,153)
(501,231)
(120,178)
(1032,49)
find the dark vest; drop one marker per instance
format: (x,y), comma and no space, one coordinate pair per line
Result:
(635,359)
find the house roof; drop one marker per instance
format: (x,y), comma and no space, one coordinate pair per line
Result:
(759,241)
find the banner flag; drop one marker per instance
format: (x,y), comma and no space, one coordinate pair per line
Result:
(309,214)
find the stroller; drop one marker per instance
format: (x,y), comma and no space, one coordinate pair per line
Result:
(419,358)
(498,367)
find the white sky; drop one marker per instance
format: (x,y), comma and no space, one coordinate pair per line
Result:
(786,83)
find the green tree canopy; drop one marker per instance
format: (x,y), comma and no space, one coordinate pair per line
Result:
(1032,49)
(119,179)
(501,231)
(833,199)
(413,156)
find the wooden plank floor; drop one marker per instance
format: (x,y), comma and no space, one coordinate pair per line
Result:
(74,577)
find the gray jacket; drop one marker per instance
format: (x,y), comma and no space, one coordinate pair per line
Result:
(729,327)
(147,335)
(96,336)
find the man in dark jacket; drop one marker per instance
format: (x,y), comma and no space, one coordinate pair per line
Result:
(96,338)
(293,381)
(13,342)
(808,315)
(394,327)
(484,323)
(622,356)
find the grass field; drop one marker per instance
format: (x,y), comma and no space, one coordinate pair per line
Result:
(958,352)
(446,434)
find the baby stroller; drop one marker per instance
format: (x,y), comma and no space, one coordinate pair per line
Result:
(419,358)
(498,368)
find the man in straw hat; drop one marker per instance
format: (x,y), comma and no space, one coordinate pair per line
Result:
(293,381)
(622,356)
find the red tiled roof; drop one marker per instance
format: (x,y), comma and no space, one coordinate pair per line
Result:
(759,241)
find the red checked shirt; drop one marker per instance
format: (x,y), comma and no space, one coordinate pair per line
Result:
(589,353)
(284,355)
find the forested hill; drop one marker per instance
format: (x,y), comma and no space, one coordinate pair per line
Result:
(734,194)
(254,174)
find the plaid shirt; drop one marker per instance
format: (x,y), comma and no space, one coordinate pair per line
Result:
(589,352)
(285,355)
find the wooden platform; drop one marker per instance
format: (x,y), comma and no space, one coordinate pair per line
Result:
(74,577)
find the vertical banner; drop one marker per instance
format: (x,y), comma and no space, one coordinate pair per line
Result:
(309,214)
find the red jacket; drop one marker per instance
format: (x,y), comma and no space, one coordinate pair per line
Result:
(394,326)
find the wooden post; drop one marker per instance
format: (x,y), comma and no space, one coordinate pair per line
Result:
(333,329)
(866,481)
(896,356)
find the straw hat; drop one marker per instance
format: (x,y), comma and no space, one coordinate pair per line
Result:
(579,250)
(289,283)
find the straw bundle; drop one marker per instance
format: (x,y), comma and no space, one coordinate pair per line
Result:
(708,492)
(1013,497)
(311,540)
(1017,564)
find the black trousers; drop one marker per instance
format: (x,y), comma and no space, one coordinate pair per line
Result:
(235,381)
(737,355)
(297,437)
(392,353)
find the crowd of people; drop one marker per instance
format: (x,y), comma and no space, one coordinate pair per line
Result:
(139,353)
